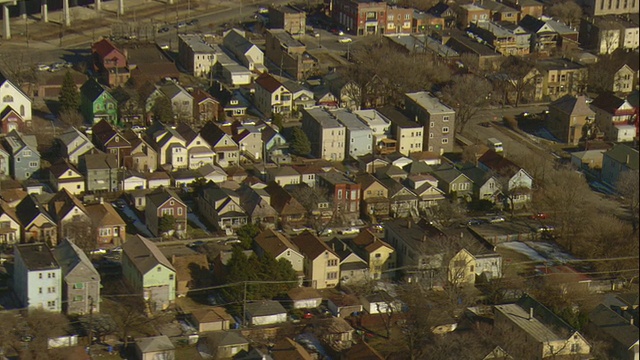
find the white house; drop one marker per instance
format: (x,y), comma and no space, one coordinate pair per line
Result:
(73,144)
(265,312)
(63,175)
(37,277)
(132,180)
(279,247)
(271,96)
(198,150)
(248,54)
(11,95)
(170,146)
(380,302)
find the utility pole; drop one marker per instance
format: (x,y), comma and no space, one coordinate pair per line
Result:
(90,324)
(244,304)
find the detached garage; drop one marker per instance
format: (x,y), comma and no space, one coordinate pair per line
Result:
(265,313)
(304,298)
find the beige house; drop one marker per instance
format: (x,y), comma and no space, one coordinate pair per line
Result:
(408,134)
(375,197)
(285,175)
(568,118)
(154,348)
(554,78)
(462,268)
(143,157)
(321,265)
(63,175)
(271,97)
(624,79)
(279,247)
(225,344)
(326,134)
(537,332)
(380,256)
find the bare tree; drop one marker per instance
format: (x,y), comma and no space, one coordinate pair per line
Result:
(628,187)
(467,94)
(515,70)
(81,232)
(568,12)
(72,118)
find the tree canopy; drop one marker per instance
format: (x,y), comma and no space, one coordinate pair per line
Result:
(69,97)
(246,233)
(300,144)
(162,110)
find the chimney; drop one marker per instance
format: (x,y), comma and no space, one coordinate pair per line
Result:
(631,321)
(628,159)
(408,223)
(424,238)
(101,200)
(530,313)
(333,246)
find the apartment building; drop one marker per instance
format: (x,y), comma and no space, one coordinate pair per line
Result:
(195,55)
(408,134)
(554,78)
(437,119)
(289,18)
(360,17)
(37,277)
(399,20)
(321,263)
(612,7)
(81,292)
(344,193)
(326,134)
(359,137)
(289,54)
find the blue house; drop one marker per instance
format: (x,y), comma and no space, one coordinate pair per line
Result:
(24,156)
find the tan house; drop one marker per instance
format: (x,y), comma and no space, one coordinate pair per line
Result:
(37,224)
(109,227)
(407,133)
(211,319)
(380,256)
(156,347)
(271,96)
(554,78)
(10,224)
(471,13)
(278,246)
(375,202)
(543,334)
(225,344)
(143,157)
(569,118)
(321,265)
(63,175)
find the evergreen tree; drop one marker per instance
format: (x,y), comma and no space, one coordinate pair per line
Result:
(166,223)
(162,110)
(300,144)
(69,97)
(276,119)
(246,234)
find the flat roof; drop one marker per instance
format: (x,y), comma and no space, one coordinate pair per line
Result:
(324,118)
(196,43)
(37,256)
(429,102)
(285,38)
(350,120)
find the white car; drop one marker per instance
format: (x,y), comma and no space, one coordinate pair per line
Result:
(349,231)
(344,40)
(43,67)
(497,219)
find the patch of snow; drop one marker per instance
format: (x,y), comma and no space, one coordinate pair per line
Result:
(523,249)
(551,251)
(140,226)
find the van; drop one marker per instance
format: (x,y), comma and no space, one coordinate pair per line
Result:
(495,144)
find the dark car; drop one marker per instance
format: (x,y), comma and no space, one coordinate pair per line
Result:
(195,244)
(163,29)
(192,22)
(475,222)
(486,124)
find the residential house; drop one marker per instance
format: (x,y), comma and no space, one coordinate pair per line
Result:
(588,159)
(369,163)
(399,20)
(72,144)
(285,349)
(81,281)
(302,97)
(249,139)
(353,269)
(132,180)
(453,182)
(359,137)
(500,12)
(36,223)
(290,211)
(11,120)
(616,161)
(545,334)
(170,146)
(335,332)
(37,277)
(518,182)
(97,104)
(148,272)
(265,312)
(142,158)
(617,330)
(248,54)
(271,96)
(289,18)
(155,347)
(110,228)
(425,186)
(346,92)
(192,270)
(70,216)
(23,153)
(445,12)
(221,207)
(321,263)
(110,141)
(380,302)
(5,161)
(181,100)
(569,118)
(359,17)
(256,203)
(100,171)
(437,119)
(343,192)
(380,256)
(164,202)
(278,246)
(343,305)
(615,117)
(606,34)
(485,185)
(225,344)
(12,96)
(63,175)
(544,38)
(319,209)
(379,125)
(158,179)
(308,173)
(601,7)
(226,149)
(289,54)
(10,226)
(150,63)
(408,134)
(304,298)
(196,55)
(363,351)
(110,62)
(526,7)
(506,37)
(480,55)
(199,152)
(554,78)
(375,197)
(326,134)
(271,137)
(625,77)
(472,13)
(402,202)
(211,319)
(285,175)
(205,106)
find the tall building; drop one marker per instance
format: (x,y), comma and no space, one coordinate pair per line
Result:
(37,277)
(437,118)
(360,17)
(326,134)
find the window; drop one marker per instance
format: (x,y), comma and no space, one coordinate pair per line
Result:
(77,298)
(51,303)
(432,124)
(407,16)
(445,141)
(378,256)
(26,153)
(445,130)
(445,118)
(332,275)
(453,187)
(40,276)
(33,164)
(7,98)
(170,276)
(78,286)
(575,348)
(390,17)
(39,290)
(179,211)
(339,194)
(159,269)
(430,135)
(332,262)
(354,194)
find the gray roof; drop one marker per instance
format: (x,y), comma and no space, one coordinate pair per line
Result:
(71,135)
(196,43)
(37,256)
(477,175)
(349,120)
(282,171)
(558,64)
(496,6)
(614,325)
(160,196)
(574,106)
(397,118)
(226,338)
(429,102)
(236,42)
(533,327)
(144,254)
(414,234)
(72,259)
(265,308)
(171,89)
(100,161)
(624,154)
(448,174)
(17,142)
(154,343)
(334,177)
(285,38)
(324,118)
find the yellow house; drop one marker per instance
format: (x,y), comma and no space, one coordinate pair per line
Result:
(321,264)
(63,175)
(462,268)
(380,256)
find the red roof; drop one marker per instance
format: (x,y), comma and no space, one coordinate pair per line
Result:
(268,82)
(498,163)
(104,47)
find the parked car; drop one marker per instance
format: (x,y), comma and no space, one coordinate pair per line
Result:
(195,244)
(43,67)
(192,22)
(475,222)
(263,10)
(349,231)
(486,124)
(545,228)
(232,242)
(539,216)
(308,315)
(181,24)
(496,219)
(163,29)
(344,40)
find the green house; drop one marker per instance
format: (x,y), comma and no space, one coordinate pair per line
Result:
(97,103)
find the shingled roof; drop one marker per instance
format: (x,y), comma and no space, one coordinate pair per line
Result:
(311,246)
(274,243)
(144,254)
